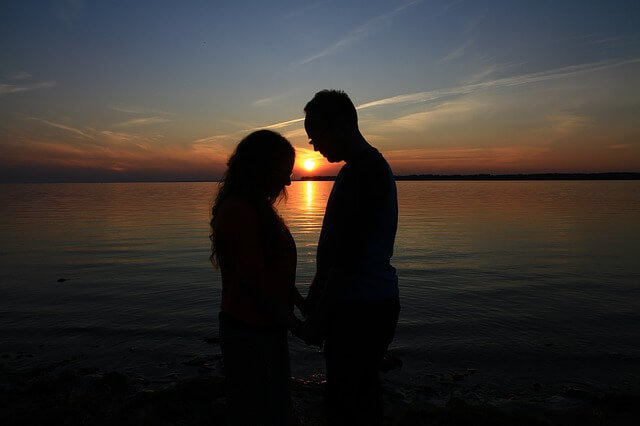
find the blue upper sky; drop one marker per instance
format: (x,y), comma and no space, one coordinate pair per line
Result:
(155,89)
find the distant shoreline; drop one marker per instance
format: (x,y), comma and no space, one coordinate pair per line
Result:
(533,176)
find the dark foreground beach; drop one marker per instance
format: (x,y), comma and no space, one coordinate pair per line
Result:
(58,393)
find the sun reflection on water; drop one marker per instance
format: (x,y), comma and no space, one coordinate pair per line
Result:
(309,193)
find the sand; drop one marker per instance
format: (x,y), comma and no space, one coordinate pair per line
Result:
(58,393)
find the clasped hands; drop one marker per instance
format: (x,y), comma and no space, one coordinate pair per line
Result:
(307,330)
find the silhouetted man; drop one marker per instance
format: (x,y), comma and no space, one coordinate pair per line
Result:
(353,301)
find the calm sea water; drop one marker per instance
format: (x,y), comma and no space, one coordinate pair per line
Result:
(521,281)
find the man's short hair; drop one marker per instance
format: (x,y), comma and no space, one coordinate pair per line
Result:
(335,107)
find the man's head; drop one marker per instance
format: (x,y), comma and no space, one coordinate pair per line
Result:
(331,123)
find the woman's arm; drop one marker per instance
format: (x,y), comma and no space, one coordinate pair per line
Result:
(241,254)
(298,300)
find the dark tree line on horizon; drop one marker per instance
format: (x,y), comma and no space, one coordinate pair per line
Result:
(520,176)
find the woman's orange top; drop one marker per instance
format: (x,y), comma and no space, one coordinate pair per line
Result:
(249,282)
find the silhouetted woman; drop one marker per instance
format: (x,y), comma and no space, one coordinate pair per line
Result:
(256,255)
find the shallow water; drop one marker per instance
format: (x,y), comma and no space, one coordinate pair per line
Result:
(522,281)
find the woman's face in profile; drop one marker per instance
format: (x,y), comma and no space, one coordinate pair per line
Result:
(279,176)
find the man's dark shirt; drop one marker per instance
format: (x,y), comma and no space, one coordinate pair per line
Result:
(358,231)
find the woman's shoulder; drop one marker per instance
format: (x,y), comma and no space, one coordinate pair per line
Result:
(236,203)
(236,209)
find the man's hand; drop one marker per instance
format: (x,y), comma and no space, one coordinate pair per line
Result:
(315,296)
(306,332)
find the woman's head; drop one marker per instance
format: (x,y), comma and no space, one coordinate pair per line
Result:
(258,171)
(260,167)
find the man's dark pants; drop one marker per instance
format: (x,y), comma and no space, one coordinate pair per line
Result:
(357,340)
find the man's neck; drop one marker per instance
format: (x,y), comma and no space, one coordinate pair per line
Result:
(357,145)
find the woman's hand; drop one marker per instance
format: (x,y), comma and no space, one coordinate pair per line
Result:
(305,331)
(299,302)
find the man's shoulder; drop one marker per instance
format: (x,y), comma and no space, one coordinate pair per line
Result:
(374,166)
(371,159)
(371,174)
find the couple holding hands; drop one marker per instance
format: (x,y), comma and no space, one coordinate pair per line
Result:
(352,305)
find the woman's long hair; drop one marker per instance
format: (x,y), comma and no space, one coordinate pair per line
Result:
(249,176)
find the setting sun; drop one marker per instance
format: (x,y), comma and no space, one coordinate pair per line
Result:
(309,165)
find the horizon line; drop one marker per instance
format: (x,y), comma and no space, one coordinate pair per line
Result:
(404,177)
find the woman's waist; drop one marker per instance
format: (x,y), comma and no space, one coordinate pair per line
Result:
(250,321)
(249,308)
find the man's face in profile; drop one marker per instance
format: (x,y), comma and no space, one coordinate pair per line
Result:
(323,138)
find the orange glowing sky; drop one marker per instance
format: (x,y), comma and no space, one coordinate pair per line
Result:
(154,91)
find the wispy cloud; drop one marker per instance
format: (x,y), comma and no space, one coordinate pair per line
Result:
(296,134)
(6,89)
(596,39)
(422,119)
(464,159)
(518,80)
(115,150)
(359,33)
(143,121)
(487,69)
(457,52)
(564,123)
(120,137)
(236,123)
(121,153)
(217,139)
(271,99)
(18,76)
(132,109)
(281,124)
(64,127)
(609,40)
(230,137)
